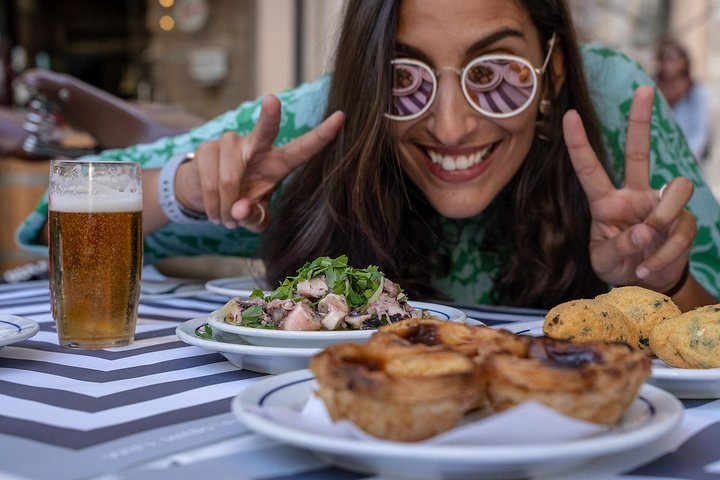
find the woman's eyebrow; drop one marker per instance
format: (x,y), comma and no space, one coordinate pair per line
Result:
(492,38)
(404,49)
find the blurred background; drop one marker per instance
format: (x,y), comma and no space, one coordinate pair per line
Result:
(180,62)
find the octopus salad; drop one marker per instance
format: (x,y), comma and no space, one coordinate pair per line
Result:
(325,294)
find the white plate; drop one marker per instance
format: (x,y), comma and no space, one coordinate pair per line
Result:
(158,289)
(250,357)
(683,382)
(323,338)
(234,286)
(651,416)
(15,329)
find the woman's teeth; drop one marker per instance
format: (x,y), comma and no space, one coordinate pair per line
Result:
(459,162)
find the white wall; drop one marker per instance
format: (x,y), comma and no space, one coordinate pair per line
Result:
(322,22)
(275,34)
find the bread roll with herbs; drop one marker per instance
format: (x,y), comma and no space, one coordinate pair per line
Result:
(690,340)
(589,320)
(642,307)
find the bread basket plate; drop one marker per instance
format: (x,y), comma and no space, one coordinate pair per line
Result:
(15,329)
(323,338)
(683,382)
(651,416)
(254,358)
(234,286)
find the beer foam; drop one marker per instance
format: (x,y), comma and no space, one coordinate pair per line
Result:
(116,202)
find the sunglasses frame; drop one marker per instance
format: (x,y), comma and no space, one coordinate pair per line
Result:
(537,73)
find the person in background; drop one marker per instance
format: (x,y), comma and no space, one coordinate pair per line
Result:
(473,150)
(688,98)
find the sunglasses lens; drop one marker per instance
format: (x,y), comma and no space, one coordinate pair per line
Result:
(412,89)
(499,86)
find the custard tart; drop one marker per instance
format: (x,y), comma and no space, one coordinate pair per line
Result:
(400,395)
(590,381)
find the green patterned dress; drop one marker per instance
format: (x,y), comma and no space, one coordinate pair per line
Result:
(612,78)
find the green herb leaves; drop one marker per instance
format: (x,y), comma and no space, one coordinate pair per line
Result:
(252,313)
(357,284)
(204,332)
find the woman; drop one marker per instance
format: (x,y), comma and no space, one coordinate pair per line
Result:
(455,198)
(689,99)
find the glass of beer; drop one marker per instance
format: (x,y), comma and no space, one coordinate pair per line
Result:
(95,215)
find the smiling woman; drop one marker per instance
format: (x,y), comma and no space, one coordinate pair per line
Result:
(471,149)
(450,159)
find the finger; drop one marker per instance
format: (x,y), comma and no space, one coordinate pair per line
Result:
(676,246)
(606,256)
(675,196)
(590,172)
(242,210)
(206,157)
(307,146)
(230,172)
(637,142)
(266,129)
(255,216)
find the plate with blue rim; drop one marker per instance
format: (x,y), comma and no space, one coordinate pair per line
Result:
(651,416)
(682,382)
(322,338)
(254,358)
(15,329)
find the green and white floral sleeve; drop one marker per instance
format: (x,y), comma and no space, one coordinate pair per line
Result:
(303,108)
(613,77)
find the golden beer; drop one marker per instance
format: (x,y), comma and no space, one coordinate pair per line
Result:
(95,265)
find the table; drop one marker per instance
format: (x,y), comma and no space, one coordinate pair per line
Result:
(160,409)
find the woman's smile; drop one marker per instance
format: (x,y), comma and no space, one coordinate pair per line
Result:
(457,165)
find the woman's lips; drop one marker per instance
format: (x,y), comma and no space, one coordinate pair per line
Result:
(459,168)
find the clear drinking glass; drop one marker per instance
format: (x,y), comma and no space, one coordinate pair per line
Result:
(95,221)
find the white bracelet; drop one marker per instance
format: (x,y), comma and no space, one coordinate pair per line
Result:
(172,209)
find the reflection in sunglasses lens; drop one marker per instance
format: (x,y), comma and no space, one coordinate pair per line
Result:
(412,89)
(403,78)
(499,85)
(481,74)
(493,86)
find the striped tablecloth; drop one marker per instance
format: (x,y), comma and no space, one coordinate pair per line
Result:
(160,409)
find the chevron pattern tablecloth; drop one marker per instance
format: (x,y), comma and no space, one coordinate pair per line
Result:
(160,409)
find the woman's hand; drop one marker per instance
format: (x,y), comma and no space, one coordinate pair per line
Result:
(638,236)
(231,178)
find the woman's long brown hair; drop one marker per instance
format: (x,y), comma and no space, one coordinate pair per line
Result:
(354,198)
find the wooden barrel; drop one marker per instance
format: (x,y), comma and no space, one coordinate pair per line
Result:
(22,184)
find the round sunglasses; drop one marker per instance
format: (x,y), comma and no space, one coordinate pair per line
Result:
(495,85)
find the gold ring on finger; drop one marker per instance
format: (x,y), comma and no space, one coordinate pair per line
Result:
(263,213)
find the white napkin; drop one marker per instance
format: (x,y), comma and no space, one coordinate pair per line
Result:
(528,423)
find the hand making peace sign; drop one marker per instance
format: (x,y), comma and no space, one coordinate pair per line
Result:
(229,177)
(638,236)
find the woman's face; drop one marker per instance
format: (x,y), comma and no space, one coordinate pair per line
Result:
(672,62)
(450,33)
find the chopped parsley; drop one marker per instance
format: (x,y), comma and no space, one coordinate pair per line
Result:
(357,284)
(204,332)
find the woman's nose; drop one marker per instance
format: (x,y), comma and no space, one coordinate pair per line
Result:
(451,118)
